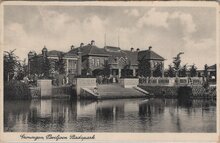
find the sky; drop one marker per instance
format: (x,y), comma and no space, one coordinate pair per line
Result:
(169,30)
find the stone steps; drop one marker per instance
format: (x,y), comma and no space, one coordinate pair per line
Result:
(115,91)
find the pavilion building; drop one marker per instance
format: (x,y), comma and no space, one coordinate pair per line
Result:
(91,60)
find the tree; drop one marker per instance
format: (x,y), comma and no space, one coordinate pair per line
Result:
(193,71)
(170,71)
(176,62)
(106,68)
(183,70)
(144,68)
(35,65)
(22,70)
(60,64)
(45,67)
(126,71)
(158,70)
(11,65)
(206,70)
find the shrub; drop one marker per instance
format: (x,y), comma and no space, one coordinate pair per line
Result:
(16,90)
(184,92)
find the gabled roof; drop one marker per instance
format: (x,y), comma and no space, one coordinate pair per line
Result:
(132,57)
(149,55)
(115,54)
(90,50)
(72,53)
(54,53)
(94,50)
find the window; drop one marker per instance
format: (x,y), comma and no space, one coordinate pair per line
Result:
(92,62)
(72,66)
(97,62)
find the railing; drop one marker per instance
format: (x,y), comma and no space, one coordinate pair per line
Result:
(107,80)
(170,81)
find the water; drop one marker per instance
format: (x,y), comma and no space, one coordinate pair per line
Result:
(124,115)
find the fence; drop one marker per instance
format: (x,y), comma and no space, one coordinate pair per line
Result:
(168,81)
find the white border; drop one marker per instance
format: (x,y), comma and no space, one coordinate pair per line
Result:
(109,137)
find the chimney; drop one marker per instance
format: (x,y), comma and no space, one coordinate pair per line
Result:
(92,42)
(72,47)
(138,50)
(132,49)
(150,48)
(81,44)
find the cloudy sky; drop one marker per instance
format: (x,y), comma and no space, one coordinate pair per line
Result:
(168,30)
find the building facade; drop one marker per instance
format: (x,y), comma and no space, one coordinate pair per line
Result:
(150,64)
(108,61)
(57,62)
(121,63)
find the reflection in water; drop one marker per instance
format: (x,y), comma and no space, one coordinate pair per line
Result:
(187,103)
(124,115)
(109,112)
(155,106)
(105,113)
(15,112)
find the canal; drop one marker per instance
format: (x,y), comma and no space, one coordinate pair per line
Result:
(121,115)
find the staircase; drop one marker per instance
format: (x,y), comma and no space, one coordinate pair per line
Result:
(115,91)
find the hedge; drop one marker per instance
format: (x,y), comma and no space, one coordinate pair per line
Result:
(16,90)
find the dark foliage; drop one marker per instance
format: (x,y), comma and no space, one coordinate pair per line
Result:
(193,71)
(10,65)
(184,92)
(144,68)
(84,76)
(40,66)
(35,65)
(16,90)
(46,67)
(106,68)
(60,64)
(158,71)
(97,72)
(13,67)
(176,62)
(182,72)
(206,70)
(126,71)
(171,72)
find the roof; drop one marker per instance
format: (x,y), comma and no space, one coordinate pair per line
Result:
(115,54)
(54,53)
(72,53)
(212,66)
(89,50)
(132,57)
(112,49)
(149,55)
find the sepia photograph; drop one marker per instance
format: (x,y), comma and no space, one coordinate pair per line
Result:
(109,68)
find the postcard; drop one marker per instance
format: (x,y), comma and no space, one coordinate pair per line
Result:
(109,71)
